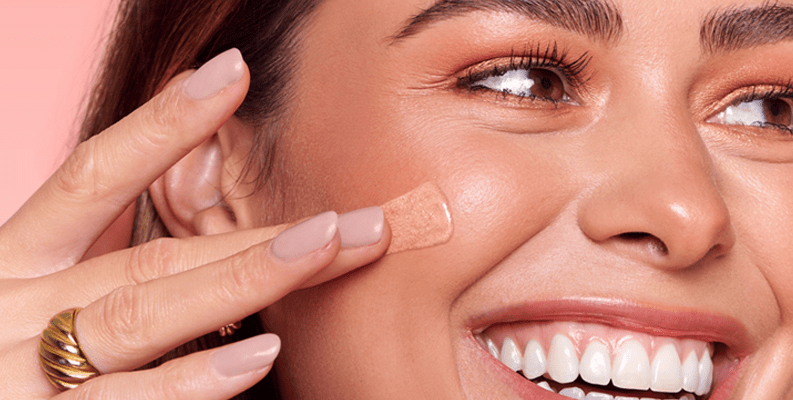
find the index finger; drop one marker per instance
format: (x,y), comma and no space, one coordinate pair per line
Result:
(106,173)
(167,256)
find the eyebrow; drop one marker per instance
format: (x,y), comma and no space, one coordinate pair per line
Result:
(742,28)
(597,19)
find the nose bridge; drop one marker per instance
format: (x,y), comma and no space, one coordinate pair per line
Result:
(655,180)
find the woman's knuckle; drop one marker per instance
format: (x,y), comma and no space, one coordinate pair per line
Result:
(174,381)
(165,111)
(162,383)
(124,315)
(78,176)
(247,273)
(93,390)
(152,260)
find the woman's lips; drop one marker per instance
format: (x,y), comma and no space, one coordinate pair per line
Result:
(615,343)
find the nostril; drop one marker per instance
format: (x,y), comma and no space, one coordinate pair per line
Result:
(635,236)
(642,238)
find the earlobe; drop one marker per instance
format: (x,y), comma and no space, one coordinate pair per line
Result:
(189,196)
(216,219)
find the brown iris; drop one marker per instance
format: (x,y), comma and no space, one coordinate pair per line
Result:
(547,85)
(778,112)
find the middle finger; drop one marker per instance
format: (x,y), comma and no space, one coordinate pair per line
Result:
(137,323)
(95,278)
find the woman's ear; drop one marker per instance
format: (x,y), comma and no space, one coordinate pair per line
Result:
(190,196)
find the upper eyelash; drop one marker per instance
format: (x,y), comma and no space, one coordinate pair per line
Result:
(780,90)
(549,57)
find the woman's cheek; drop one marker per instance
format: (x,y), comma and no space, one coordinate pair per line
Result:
(759,196)
(502,191)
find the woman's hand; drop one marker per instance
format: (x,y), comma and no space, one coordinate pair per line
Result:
(141,302)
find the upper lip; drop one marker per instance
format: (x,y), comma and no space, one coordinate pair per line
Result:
(651,319)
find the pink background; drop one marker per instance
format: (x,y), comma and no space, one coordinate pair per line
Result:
(49,50)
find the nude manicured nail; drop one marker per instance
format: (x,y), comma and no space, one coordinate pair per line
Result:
(215,75)
(247,355)
(361,227)
(306,237)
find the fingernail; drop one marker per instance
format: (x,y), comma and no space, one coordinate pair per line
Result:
(216,74)
(306,237)
(247,355)
(361,227)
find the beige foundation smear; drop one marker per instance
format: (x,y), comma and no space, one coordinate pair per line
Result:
(418,219)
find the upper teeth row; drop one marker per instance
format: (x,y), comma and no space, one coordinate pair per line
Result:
(630,368)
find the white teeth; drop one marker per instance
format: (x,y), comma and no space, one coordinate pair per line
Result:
(705,374)
(573,393)
(562,360)
(690,371)
(626,367)
(631,368)
(534,360)
(667,376)
(545,386)
(595,364)
(598,396)
(510,355)
(491,347)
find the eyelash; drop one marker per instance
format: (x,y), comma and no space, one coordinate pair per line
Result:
(777,92)
(572,71)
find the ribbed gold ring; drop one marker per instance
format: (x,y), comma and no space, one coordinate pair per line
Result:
(60,355)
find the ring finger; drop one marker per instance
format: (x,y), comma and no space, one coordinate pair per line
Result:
(209,375)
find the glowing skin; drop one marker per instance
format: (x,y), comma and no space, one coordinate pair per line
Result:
(623,193)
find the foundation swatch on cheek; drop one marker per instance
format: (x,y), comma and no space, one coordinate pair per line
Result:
(418,219)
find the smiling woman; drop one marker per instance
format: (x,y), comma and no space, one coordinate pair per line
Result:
(604,189)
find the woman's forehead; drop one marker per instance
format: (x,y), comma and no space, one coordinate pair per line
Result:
(411,16)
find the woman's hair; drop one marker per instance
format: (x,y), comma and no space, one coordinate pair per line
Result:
(154,40)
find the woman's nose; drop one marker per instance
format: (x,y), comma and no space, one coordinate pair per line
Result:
(654,194)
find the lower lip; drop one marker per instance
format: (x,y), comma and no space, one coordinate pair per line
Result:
(527,390)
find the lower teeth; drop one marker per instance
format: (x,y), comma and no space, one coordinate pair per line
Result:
(578,393)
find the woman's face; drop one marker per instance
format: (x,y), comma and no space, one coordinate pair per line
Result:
(619,175)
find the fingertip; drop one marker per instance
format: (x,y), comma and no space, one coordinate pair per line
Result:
(215,75)
(362,227)
(365,237)
(252,354)
(306,237)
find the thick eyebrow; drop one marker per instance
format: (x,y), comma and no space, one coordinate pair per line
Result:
(741,28)
(597,19)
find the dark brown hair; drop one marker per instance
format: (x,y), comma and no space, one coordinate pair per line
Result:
(152,41)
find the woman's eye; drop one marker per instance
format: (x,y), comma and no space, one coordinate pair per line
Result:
(774,112)
(534,83)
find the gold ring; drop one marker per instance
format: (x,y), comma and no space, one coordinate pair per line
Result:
(60,355)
